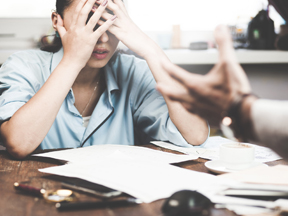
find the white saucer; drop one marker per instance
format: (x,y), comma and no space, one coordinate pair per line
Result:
(217,166)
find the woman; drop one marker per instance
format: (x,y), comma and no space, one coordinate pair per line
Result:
(81,96)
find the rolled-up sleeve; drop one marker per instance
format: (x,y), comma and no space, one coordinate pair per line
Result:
(17,86)
(270,124)
(150,111)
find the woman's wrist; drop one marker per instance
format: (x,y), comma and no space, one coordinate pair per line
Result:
(76,66)
(150,49)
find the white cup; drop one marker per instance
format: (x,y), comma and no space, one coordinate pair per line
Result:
(237,156)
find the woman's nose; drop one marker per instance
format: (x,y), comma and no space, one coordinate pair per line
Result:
(103,38)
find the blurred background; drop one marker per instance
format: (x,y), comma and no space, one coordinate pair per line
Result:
(24,22)
(183,28)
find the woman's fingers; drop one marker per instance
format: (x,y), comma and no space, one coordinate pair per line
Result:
(97,15)
(60,26)
(77,11)
(105,26)
(114,28)
(115,8)
(83,14)
(106,15)
(121,6)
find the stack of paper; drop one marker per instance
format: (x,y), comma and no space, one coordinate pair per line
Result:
(262,181)
(143,173)
(275,175)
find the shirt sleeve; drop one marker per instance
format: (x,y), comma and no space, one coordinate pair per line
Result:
(270,123)
(17,86)
(150,111)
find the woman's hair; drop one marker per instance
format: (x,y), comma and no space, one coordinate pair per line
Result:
(56,44)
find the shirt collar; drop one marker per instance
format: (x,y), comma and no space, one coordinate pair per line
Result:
(110,77)
(111,82)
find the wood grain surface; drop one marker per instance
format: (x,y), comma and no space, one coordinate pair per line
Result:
(13,203)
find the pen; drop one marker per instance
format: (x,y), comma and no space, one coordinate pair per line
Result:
(96,193)
(101,204)
(29,190)
(60,195)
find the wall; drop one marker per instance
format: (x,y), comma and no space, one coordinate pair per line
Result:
(267,80)
(23,33)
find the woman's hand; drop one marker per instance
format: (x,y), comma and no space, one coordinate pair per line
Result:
(78,38)
(125,29)
(211,95)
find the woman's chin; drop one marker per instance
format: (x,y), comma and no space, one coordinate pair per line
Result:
(92,63)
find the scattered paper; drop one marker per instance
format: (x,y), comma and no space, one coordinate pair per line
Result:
(148,180)
(248,210)
(227,200)
(275,175)
(210,150)
(99,152)
(145,182)
(147,174)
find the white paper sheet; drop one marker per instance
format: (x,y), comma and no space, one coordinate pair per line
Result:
(146,181)
(210,150)
(99,152)
(277,176)
(248,210)
(140,172)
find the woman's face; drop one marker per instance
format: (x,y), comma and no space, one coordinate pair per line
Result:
(105,47)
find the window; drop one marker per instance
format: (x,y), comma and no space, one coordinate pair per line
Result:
(160,15)
(195,15)
(26,8)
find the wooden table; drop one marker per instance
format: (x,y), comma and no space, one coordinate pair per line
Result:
(15,204)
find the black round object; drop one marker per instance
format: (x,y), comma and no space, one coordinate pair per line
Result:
(187,203)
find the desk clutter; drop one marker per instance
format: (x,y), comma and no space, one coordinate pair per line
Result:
(210,150)
(149,175)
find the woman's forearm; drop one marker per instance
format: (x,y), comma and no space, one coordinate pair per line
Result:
(193,128)
(30,124)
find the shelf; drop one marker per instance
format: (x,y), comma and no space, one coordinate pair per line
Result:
(210,56)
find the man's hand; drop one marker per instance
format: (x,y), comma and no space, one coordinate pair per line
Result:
(211,95)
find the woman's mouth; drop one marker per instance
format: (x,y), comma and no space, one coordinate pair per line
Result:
(100,53)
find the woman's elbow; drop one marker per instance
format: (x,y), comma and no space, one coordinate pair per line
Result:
(199,141)
(16,148)
(200,137)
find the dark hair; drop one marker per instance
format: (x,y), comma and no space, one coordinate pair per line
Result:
(56,44)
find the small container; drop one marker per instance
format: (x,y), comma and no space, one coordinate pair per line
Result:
(237,156)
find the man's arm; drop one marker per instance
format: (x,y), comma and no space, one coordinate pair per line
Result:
(211,96)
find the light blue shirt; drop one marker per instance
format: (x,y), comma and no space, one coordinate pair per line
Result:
(130,111)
